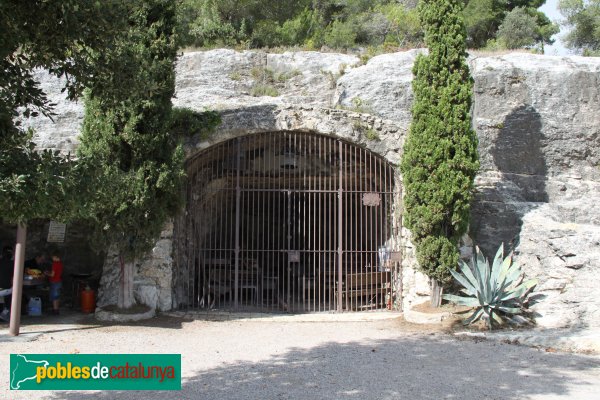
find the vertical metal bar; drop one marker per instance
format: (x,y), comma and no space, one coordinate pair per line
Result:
(264,262)
(327,222)
(222,245)
(190,230)
(311,222)
(251,241)
(277,244)
(337,207)
(305,254)
(238,195)
(330,223)
(338,182)
(339,272)
(319,226)
(372,232)
(289,246)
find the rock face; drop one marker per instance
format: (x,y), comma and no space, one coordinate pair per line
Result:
(538,123)
(153,280)
(539,129)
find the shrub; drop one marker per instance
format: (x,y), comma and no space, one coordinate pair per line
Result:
(405,29)
(266,34)
(340,35)
(260,90)
(519,29)
(263,74)
(297,30)
(186,122)
(498,294)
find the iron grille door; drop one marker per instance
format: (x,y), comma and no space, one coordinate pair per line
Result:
(286,221)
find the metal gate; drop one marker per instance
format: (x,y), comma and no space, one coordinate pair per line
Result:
(288,221)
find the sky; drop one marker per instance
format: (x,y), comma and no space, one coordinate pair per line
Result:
(550,8)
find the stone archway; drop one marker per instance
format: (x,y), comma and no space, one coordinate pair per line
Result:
(288,221)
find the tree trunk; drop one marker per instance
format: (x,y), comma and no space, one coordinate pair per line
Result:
(17,288)
(125,299)
(436,293)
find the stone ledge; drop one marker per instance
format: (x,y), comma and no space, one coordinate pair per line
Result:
(417,317)
(111,316)
(569,340)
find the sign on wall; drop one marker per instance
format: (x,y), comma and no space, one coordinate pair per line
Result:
(56,232)
(371,199)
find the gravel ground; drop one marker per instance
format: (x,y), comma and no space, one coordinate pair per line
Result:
(327,357)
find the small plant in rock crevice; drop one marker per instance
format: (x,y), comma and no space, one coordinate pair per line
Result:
(267,81)
(260,90)
(498,294)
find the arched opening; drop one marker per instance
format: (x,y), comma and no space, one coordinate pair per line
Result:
(288,221)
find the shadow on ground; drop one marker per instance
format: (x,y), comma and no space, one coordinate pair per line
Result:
(434,367)
(75,321)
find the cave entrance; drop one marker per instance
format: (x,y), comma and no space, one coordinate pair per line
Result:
(288,221)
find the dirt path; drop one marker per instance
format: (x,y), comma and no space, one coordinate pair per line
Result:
(328,359)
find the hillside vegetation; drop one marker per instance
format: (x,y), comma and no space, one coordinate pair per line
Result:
(380,25)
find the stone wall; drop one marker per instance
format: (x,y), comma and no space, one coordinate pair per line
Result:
(153,276)
(536,117)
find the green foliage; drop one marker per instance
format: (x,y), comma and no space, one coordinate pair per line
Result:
(266,34)
(518,29)
(208,23)
(368,132)
(339,24)
(300,29)
(35,184)
(524,27)
(405,28)
(133,163)
(309,23)
(584,20)
(286,76)
(62,37)
(235,76)
(362,106)
(186,122)
(484,17)
(440,153)
(266,81)
(497,294)
(340,35)
(371,134)
(260,89)
(263,74)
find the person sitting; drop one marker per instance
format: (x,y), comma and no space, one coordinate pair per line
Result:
(36,264)
(6,279)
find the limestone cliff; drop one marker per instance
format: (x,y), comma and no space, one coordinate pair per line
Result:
(537,118)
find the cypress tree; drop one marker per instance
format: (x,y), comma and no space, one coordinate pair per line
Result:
(440,154)
(133,164)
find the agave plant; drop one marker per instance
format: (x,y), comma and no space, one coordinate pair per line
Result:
(498,294)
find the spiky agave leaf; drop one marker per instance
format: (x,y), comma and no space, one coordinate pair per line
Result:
(462,301)
(476,316)
(496,293)
(497,266)
(470,286)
